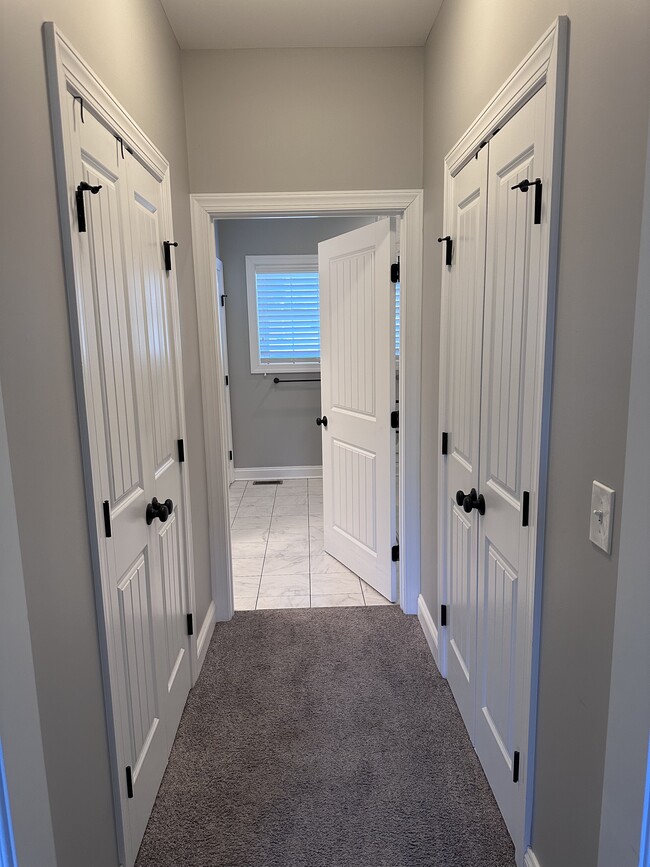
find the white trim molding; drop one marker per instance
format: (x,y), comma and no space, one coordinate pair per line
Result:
(265,474)
(205,209)
(205,634)
(429,628)
(530,860)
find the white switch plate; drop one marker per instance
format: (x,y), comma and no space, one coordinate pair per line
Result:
(602,515)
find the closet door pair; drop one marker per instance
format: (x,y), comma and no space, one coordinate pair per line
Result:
(489,410)
(133,416)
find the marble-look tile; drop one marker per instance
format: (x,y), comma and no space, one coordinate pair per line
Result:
(249,534)
(246,585)
(321,564)
(286,564)
(287,601)
(337,600)
(334,583)
(241,548)
(282,585)
(372,597)
(245,603)
(290,525)
(289,509)
(245,521)
(288,545)
(244,567)
(259,494)
(257,509)
(237,486)
(292,493)
(296,484)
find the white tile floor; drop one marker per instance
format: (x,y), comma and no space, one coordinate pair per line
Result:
(277,549)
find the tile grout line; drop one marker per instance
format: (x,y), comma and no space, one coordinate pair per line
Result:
(266,548)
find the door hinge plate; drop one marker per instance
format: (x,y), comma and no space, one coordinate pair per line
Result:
(445,443)
(525,508)
(190,624)
(394,272)
(129,782)
(181,451)
(167,245)
(230,455)
(227,379)
(443,615)
(394,419)
(394,553)
(515,767)
(107,519)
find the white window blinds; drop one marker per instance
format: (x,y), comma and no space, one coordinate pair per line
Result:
(284,313)
(288,316)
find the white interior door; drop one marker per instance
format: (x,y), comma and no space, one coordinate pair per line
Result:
(223,337)
(510,411)
(357,396)
(463,327)
(132,415)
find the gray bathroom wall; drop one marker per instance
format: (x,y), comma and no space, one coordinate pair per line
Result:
(273,425)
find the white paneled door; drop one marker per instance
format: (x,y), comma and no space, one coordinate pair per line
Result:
(494,322)
(357,396)
(463,322)
(510,412)
(133,416)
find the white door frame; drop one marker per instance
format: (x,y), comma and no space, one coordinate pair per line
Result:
(68,73)
(223,345)
(544,66)
(205,209)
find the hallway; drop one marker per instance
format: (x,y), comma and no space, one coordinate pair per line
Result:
(323,738)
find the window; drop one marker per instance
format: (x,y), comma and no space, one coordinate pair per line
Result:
(283,313)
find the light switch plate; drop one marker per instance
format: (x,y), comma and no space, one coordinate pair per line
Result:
(602,516)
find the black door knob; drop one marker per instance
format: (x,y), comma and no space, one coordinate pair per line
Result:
(162,511)
(471,501)
(322,421)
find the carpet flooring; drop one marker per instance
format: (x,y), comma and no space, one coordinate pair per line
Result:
(323,738)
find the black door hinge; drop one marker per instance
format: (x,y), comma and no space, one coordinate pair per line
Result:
(394,419)
(167,245)
(230,455)
(449,249)
(223,300)
(443,615)
(445,443)
(84,187)
(394,553)
(525,506)
(524,186)
(515,767)
(190,624)
(107,519)
(394,272)
(181,451)
(226,378)
(129,782)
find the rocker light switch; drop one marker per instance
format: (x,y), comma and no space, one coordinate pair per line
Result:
(602,509)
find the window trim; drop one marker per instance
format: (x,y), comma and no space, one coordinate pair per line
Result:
(277,261)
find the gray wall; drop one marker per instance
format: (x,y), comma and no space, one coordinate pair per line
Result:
(273,425)
(472,49)
(629,706)
(304,119)
(131,47)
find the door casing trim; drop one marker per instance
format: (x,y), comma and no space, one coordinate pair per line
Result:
(205,209)
(67,72)
(544,66)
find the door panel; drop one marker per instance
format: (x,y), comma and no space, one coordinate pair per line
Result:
(357,394)
(119,371)
(511,327)
(153,285)
(462,401)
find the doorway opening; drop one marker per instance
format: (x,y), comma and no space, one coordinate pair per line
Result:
(371,207)
(269,315)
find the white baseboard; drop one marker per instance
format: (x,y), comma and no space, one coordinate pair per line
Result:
(429,628)
(530,860)
(204,636)
(263,474)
